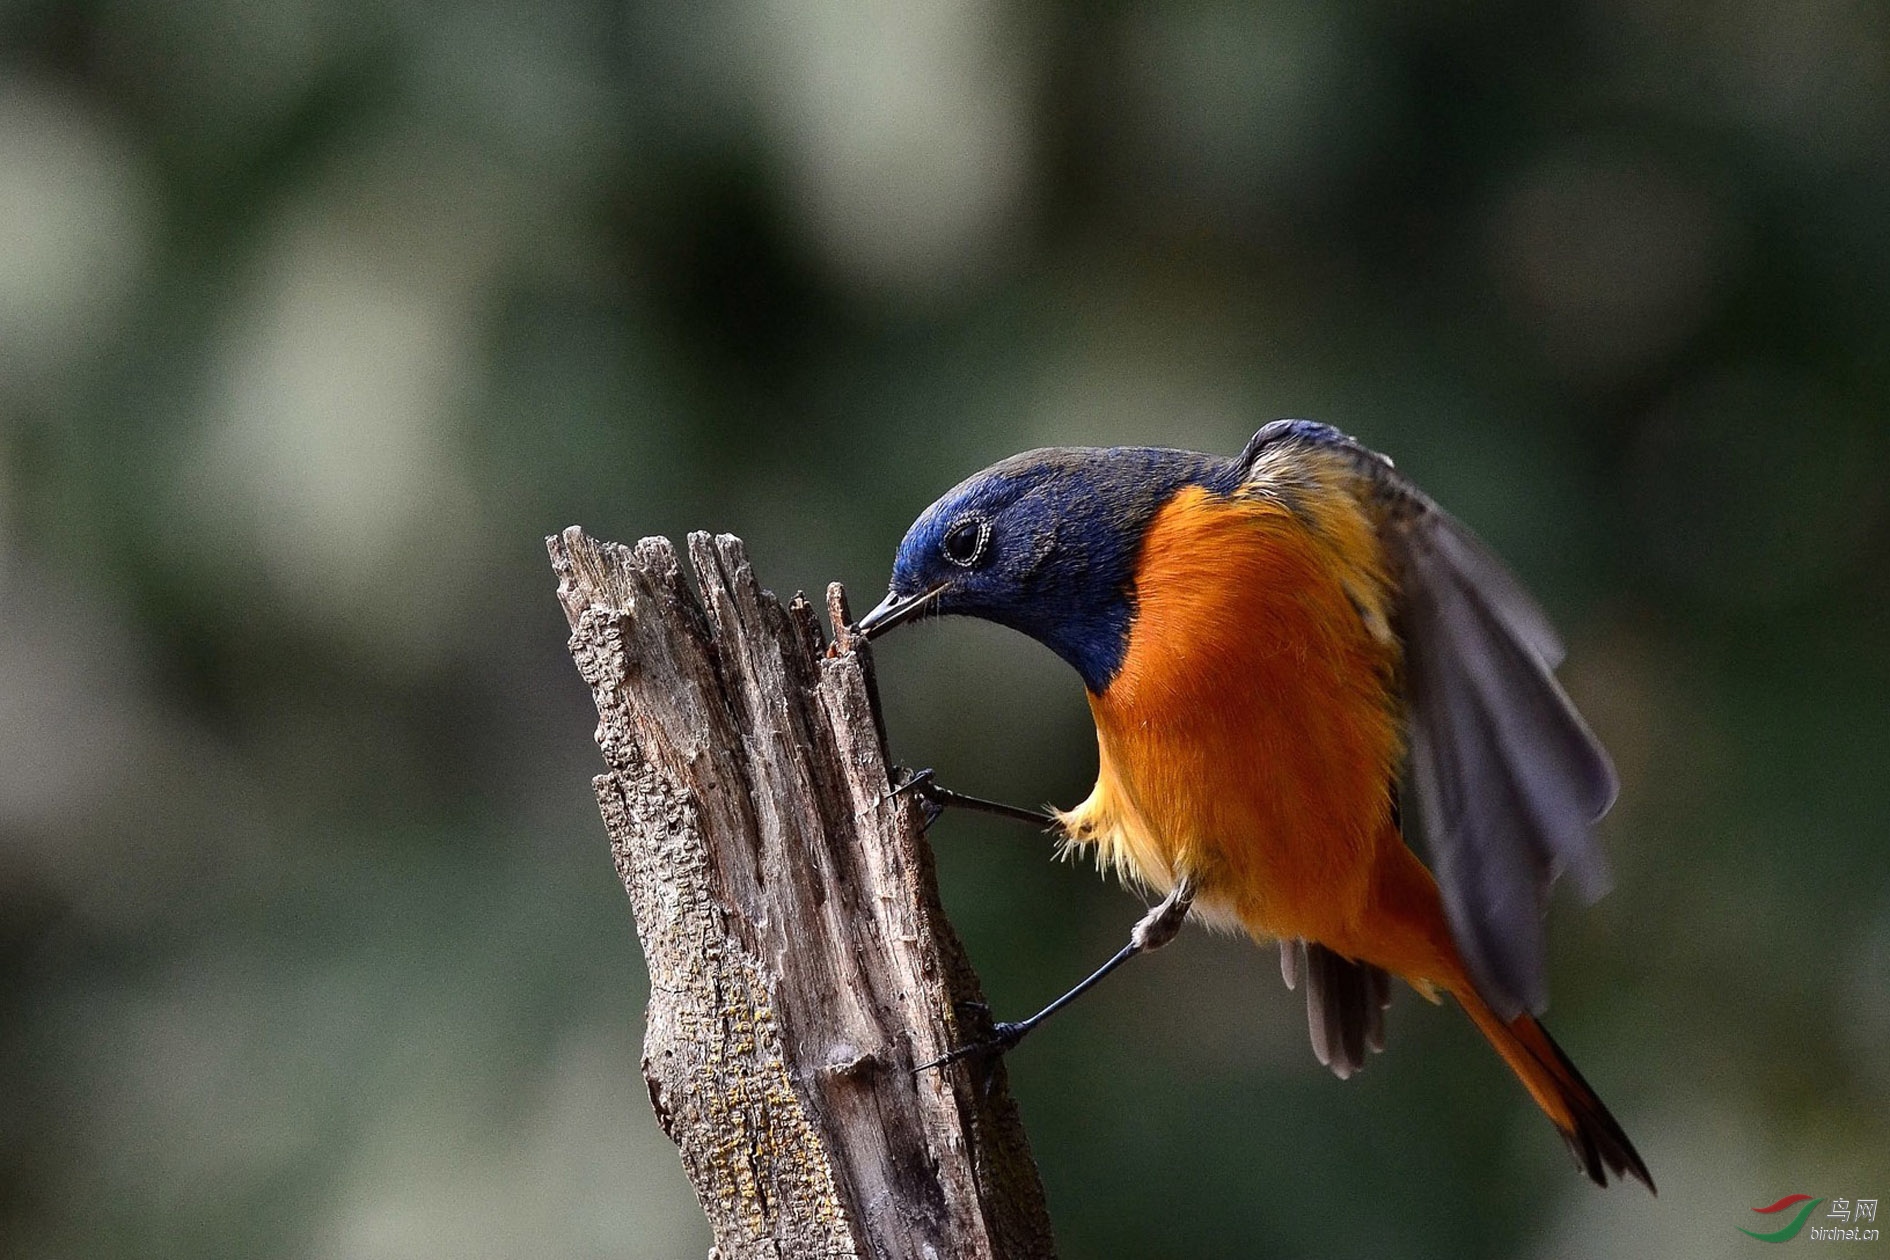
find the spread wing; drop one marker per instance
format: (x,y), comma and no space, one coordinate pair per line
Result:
(1508,778)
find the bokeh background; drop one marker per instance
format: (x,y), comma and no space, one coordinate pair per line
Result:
(315,317)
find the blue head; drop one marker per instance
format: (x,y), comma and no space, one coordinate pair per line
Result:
(1045,543)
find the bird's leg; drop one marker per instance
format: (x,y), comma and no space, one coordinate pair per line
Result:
(935,800)
(1154,930)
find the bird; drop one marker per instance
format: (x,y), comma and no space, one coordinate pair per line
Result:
(1282,653)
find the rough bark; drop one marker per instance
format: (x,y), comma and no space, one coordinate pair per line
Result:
(800,963)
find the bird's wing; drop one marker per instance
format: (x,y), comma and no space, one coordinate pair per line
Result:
(1508,778)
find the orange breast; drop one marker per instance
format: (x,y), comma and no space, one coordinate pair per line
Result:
(1250,738)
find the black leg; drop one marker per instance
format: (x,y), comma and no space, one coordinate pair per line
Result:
(1154,930)
(936,800)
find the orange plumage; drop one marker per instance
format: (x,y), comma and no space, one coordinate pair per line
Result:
(1251,740)
(1261,641)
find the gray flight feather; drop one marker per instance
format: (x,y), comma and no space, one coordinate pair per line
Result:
(1508,778)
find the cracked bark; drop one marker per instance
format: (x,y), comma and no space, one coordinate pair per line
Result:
(800,962)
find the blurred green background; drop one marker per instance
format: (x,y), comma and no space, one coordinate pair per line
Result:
(316,317)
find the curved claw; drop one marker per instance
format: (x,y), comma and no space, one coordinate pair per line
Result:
(1003,1038)
(923,785)
(906,779)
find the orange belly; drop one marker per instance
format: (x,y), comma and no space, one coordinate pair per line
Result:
(1250,742)
(1251,738)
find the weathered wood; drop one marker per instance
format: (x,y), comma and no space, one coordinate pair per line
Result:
(800,963)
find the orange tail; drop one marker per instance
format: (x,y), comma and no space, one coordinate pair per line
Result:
(1408,936)
(1591,1132)
(1411,937)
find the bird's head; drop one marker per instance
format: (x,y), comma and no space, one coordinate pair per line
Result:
(1045,543)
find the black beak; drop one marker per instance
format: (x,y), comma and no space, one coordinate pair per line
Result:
(894,609)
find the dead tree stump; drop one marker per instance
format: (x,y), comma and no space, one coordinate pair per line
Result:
(800,963)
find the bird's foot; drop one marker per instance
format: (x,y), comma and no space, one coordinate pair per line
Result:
(923,785)
(935,798)
(990,1052)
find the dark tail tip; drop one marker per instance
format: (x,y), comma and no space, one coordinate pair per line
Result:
(1599,1145)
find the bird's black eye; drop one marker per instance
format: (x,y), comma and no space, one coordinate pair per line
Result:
(965,542)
